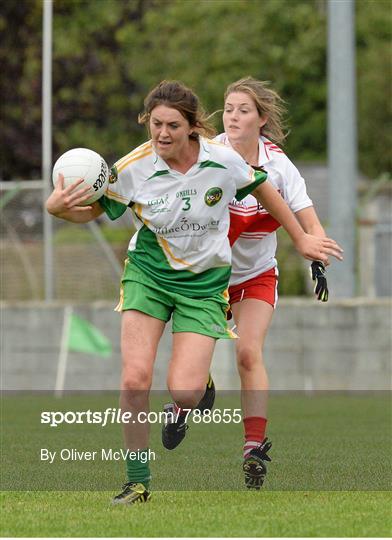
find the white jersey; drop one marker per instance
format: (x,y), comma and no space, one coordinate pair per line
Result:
(182,219)
(252,230)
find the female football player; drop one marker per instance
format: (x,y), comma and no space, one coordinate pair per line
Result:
(252,121)
(178,185)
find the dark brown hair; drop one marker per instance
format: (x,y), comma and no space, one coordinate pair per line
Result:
(176,95)
(268,103)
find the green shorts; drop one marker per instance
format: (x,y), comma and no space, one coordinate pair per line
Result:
(205,316)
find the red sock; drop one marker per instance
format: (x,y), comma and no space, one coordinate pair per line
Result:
(254,427)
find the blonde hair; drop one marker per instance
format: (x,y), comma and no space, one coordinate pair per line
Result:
(176,95)
(268,103)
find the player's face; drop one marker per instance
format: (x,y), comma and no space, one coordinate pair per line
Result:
(241,118)
(170,132)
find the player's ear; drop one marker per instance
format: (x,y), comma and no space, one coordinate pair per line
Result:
(263,121)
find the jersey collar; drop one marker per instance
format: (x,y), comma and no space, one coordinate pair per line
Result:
(264,154)
(204,155)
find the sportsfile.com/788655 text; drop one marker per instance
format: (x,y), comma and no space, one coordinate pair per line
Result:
(113,415)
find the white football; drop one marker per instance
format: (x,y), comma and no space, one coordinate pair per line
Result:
(83,163)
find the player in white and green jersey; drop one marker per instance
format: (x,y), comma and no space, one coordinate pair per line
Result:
(178,186)
(181,218)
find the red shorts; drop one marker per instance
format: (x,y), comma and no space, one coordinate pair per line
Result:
(262,287)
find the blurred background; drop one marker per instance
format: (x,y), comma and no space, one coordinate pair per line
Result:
(107,54)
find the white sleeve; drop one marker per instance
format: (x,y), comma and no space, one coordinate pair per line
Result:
(295,188)
(121,186)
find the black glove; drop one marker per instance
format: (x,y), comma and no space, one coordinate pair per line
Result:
(317,273)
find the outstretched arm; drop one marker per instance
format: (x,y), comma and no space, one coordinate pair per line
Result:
(310,222)
(309,246)
(65,202)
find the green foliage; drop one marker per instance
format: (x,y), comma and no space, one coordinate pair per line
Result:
(107,54)
(374,70)
(279,40)
(20,87)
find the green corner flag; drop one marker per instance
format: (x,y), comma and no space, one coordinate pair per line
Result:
(84,337)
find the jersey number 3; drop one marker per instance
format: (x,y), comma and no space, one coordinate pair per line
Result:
(187,201)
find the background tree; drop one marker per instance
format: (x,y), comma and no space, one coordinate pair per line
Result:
(109,53)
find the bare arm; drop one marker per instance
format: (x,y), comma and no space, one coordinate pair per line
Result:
(65,203)
(311,247)
(92,212)
(310,222)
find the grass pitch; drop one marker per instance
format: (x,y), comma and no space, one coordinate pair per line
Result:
(201,514)
(321,443)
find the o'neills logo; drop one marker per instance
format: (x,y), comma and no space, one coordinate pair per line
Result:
(213,196)
(186,193)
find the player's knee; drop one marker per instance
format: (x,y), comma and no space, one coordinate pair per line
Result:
(136,379)
(248,357)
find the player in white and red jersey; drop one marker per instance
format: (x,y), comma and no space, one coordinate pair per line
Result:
(252,121)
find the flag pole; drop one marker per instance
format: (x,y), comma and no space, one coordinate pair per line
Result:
(47,145)
(63,355)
